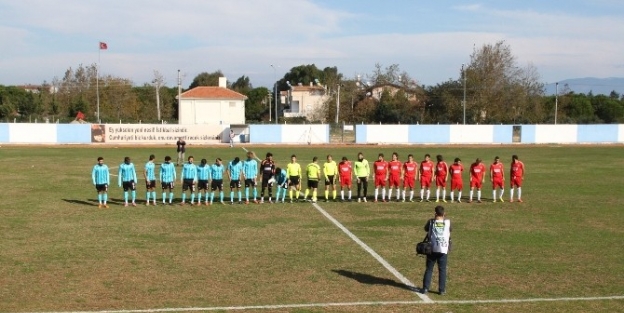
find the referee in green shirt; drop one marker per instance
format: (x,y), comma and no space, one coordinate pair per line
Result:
(313,172)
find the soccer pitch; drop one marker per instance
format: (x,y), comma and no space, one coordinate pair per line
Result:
(558,251)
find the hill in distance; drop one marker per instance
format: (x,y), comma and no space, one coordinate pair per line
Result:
(585,85)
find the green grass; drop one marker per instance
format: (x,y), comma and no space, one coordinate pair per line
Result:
(60,253)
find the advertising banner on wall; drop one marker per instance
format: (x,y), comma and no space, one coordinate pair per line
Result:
(156,133)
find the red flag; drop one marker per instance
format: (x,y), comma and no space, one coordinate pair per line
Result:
(80,116)
(103,46)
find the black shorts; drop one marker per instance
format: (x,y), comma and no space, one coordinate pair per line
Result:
(265,182)
(128,185)
(202,185)
(294,180)
(149,184)
(235,183)
(250,183)
(312,183)
(101,187)
(330,180)
(284,184)
(168,185)
(216,183)
(188,183)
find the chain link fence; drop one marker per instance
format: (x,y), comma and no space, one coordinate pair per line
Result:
(342,133)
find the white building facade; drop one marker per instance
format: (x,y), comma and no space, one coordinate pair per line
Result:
(212,105)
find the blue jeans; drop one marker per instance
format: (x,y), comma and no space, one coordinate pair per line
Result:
(441,259)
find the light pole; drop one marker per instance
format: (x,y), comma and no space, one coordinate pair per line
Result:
(276,95)
(556,100)
(338,104)
(464,83)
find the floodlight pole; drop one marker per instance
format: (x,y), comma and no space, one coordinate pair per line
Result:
(464,83)
(338,104)
(276,95)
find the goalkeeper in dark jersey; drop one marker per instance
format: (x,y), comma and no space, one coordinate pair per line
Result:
(267,168)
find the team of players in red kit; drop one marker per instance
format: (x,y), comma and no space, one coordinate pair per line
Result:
(392,172)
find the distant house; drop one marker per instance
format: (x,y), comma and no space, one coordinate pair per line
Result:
(377,90)
(212,105)
(305,101)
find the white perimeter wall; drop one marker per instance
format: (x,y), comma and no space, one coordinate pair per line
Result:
(556,133)
(32,133)
(472,133)
(387,133)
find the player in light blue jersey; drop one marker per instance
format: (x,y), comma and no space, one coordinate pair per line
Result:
(281,180)
(188,177)
(150,180)
(101,178)
(203,176)
(167,179)
(127,179)
(250,171)
(216,170)
(234,170)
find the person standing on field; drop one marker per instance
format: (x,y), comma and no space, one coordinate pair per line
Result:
(330,170)
(150,180)
(216,173)
(204,174)
(441,175)
(516,177)
(232,136)
(425,176)
(313,173)
(127,179)
(362,172)
(381,176)
(497,177)
(188,178)
(439,232)
(346,174)
(181,150)
(167,179)
(477,178)
(234,171)
(410,169)
(250,172)
(293,172)
(101,179)
(394,176)
(457,182)
(267,169)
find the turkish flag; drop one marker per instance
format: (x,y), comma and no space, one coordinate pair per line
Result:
(103,46)
(80,116)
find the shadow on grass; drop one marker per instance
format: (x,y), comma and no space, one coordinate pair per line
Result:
(92,202)
(372,280)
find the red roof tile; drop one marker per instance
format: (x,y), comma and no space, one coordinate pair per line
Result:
(210,92)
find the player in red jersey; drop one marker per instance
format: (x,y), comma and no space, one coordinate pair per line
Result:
(516,176)
(394,176)
(497,177)
(381,176)
(410,168)
(425,176)
(477,177)
(456,169)
(441,175)
(345,176)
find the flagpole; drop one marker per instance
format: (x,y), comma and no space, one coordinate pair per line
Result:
(97,83)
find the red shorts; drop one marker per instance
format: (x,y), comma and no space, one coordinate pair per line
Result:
(497,182)
(476,183)
(425,182)
(394,181)
(409,182)
(440,181)
(457,185)
(516,181)
(345,181)
(380,181)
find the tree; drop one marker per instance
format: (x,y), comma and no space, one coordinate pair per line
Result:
(499,89)
(206,79)
(256,105)
(242,85)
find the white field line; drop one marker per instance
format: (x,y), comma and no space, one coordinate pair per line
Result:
(377,257)
(368,249)
(345,304)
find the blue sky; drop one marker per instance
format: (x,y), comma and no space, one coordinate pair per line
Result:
(429,40)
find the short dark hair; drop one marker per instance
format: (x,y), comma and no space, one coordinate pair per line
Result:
(439,158)
(293,156)
(344,158)
(190,157)
(514,157)
(314,159)
(269,154)
(151,157)
(457,160)
(204,161)
(439,210)
(127,159)
(427,155)
(381,155)
(167,158)
(100,158)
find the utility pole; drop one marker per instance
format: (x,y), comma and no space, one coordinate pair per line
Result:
(338,104)
(464,83)
(556,100)
(276,95)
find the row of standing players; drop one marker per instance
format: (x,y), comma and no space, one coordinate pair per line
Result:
(401,176)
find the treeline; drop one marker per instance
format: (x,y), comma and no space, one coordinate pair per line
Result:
(495,88)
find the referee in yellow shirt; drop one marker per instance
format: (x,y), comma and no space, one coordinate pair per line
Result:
(293,172)
(313,172)
(330,170)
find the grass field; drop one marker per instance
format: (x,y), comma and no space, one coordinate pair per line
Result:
(559,251)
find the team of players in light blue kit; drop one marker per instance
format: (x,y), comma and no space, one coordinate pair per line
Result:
(197,180)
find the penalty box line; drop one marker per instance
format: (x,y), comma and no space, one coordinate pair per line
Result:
(368,249)
(372,252)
